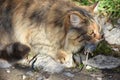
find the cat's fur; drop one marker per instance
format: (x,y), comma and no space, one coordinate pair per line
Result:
(57,28)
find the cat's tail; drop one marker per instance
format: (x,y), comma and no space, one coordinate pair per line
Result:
(14,52)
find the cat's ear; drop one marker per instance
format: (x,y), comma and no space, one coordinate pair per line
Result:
(92,8)
(74,20)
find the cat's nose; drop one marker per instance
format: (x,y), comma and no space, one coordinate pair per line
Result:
(98,36)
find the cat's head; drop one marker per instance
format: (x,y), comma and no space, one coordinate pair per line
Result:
(81,28)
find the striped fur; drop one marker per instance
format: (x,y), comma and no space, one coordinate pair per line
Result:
(57,28)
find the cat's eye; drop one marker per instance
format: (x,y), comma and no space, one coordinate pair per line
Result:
(90,32)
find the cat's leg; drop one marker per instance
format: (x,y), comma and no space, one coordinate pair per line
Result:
(14,52)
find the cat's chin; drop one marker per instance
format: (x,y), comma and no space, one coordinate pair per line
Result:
(46,63)
(4,64)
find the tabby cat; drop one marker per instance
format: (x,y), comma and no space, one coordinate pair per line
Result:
(57,28)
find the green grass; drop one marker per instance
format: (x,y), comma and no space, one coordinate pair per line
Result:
(109,8)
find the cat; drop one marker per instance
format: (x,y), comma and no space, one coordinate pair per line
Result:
(57,28)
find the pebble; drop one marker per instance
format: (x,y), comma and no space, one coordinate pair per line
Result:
(77,58)
(118,21)
(68,74)
(40,78)
(13,67)
(98,78)
(110,76)
(88,67)
(8,71)
(24,77)
(29,73)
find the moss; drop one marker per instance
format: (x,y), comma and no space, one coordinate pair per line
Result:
(81,66)
(103,48)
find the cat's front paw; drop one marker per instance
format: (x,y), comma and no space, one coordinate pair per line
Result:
(62,56)
(65,58)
